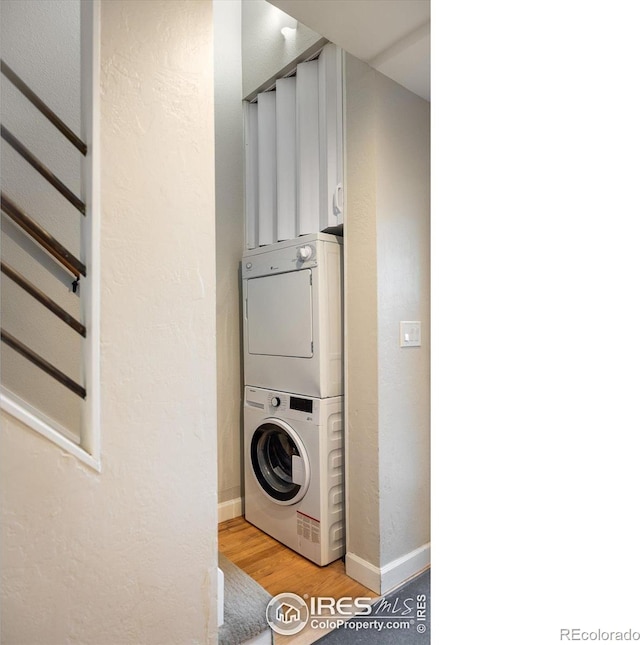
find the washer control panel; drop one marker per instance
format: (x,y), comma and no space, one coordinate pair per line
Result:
(301,404)
(282,404)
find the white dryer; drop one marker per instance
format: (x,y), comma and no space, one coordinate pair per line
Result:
(293,471)
(292,294)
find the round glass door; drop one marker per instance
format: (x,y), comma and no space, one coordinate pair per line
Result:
(280,463)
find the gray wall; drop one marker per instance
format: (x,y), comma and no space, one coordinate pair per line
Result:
(387,280)
(403,294)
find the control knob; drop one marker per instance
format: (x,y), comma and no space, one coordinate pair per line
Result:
(305,252)
(275,401)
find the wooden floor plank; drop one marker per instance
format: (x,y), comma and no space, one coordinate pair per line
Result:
(279,569)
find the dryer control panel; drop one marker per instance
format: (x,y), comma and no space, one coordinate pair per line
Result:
(280,261)
(290,255)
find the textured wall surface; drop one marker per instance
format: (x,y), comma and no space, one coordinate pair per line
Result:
(361,320)
(229,241)
(125,556)
(403,294)
(387,269)
(265,51)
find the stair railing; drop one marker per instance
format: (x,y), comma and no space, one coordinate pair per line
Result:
(35,231)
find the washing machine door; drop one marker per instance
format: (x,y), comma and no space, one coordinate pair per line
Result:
(280,462)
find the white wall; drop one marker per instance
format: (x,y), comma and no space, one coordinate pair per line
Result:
(387,280)
(391,36)
(124,556)
(265,51)
(229,243)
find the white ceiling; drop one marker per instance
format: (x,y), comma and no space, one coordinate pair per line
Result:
(393,36)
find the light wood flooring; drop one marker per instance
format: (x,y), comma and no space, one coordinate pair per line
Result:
(279,570)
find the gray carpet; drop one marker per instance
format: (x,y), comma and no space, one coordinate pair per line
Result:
(391,608)
(245,604)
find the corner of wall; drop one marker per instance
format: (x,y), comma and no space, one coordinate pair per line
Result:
(265,51)
(385,579)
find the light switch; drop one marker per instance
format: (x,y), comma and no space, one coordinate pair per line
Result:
(410,333)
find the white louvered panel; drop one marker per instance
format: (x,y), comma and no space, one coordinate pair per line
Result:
(267,196)
(308,155)
(251,175)
(286,157)
(330,128)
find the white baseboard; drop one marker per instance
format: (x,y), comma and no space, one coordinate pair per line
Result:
(362,571)
(229,510)
(384,579)
(405,567)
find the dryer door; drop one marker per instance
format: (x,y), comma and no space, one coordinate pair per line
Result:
(280,462)
(280,315)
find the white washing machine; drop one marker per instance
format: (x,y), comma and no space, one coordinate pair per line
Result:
(293,471)
(292,294)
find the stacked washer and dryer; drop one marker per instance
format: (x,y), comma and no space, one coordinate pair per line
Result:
(293,432)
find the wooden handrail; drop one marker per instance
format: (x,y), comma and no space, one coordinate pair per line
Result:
(42,236)
(43,298)
(35,163)
(38,103)
(43,364)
